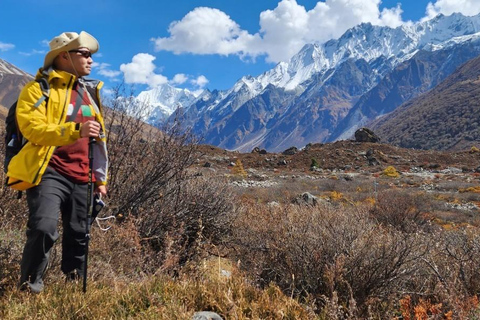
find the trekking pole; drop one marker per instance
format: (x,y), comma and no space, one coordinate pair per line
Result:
(90,190)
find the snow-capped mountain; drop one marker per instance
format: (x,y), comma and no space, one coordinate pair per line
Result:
(327,90)
(8,68)
(12,79)
(160,102)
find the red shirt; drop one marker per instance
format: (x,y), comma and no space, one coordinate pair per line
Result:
(71,160)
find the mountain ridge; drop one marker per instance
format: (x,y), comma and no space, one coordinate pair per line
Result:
(329,80)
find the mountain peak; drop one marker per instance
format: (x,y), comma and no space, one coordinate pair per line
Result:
(8,68)
(306,98)
(161,101)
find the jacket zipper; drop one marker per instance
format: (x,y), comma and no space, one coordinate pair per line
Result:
(50,147)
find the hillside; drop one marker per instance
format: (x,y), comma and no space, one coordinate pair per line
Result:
(446,117)
(345,155)
(12,79)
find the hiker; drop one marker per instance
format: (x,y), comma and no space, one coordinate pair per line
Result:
(53,165)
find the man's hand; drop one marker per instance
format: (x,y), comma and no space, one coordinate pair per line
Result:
(101,189)
(90,128)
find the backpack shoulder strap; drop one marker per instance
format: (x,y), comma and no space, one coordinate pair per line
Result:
(45,87)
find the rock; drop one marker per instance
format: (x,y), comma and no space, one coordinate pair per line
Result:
(206,315)
(451,170)
(366,135)
(290,151)
(259,151)
(372,161)
(306,198)
(207,165)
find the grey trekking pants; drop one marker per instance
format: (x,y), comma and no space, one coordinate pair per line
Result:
(54,195)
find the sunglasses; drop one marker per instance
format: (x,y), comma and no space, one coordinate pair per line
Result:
(83,53)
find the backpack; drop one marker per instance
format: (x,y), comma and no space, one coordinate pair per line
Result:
(14,140)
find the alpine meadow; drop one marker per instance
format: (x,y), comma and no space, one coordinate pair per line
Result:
(343,184)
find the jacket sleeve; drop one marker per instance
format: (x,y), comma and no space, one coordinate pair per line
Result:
(33,120)
(100,156)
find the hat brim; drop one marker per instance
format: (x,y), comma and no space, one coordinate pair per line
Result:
(84,40)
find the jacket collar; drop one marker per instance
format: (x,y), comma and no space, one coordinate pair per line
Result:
(51,74)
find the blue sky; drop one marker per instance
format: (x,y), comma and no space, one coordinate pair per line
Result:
(196,44)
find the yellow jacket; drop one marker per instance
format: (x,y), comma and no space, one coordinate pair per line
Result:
(45,128)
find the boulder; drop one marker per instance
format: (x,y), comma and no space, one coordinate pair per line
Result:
(366,135)
(290,151)
(306,198)
(206,315)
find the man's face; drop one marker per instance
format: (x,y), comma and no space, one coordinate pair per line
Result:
(82,61)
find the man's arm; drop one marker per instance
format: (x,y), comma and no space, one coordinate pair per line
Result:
(33,123)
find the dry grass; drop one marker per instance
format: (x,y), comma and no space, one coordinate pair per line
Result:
(157,297)
(375,246)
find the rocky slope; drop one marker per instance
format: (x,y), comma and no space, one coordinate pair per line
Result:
(12,79)
(446,117)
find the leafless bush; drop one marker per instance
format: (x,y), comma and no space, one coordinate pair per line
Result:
(174,209)
(13,215)
(401,209)
(458,260)
(328,252)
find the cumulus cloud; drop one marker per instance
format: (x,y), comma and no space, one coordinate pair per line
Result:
(179,78)
(142,71)
(105,70)
(447,7)
(283,30)
(200,81)
(207,31)
(6,46)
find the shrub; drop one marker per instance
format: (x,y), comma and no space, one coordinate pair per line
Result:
(391,172)
(474,149)
(238,170)
(326,253)
(176,211)
(402,210)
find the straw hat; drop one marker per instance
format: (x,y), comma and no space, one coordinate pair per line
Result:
(69,41)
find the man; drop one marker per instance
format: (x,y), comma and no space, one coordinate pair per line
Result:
(53,165)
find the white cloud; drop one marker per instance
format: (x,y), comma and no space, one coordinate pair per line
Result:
(6,46)
(179,78)
(142,71)
(283,30)
(33,52)
(207,31)
(200,81)
(289,26)
(104,70)
(447,7)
